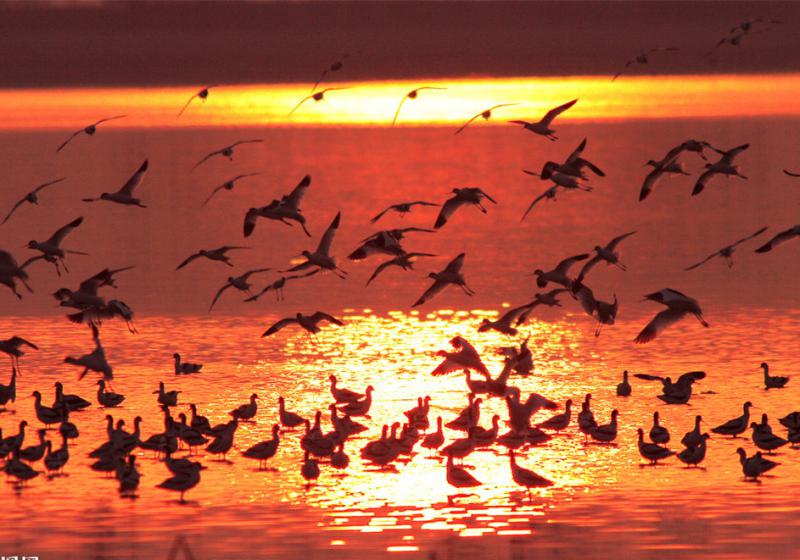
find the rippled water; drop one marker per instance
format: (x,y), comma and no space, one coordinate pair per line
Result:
(603,498)
(603,502)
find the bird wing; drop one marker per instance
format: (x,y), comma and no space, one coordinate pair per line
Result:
(447,211)
(322,316)
(240,142)
(701,182)
(469,122)
(18,340)
(249,273)
(564,266)
(553,113)
(704,261)
(733,152)
(400,106)
(612,245)
(435,288)
(782,237)
(380,268)
(660,322)
(790,174)
(580,163)
(650,182)
(207,157)
(422,203)
(648,377)
(47,184)
(68,140)
(296,107)
(584,295)
(218,294)
(512,314)
(380,215)
(188,102)
(576,153)
(749,237)
(101,121)
(279,325)
(135,180)
(14,209)
(215,191)
(693,375)
(188,260)
(589,266)
(62,232)
(546,194)
(485,195)
(293,198)
(327,238)
(454,266)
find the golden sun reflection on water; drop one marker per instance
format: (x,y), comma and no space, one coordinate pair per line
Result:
(374,103)
(397,510)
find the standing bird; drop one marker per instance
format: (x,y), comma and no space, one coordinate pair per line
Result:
(321,258)
(107,399)
(125,194)
(287,208)
(227,151)
(543,126)
(185,368)
(184,480)
(246,411)
(724,166)
(88,130)
(737,425)
(202,95)
(782,237)
(264,450)
(308,322)
(466,195)
(239,282)
(642,58)
(459,477)
(450,275)
(693,455)
(218,254)
(13,348)
(403,261)
(402,208)
(411,95)
(773,381)
(755,466)
(227,185)
(485,115)
(652,451)
(678,306)
(51,250)
(525,477)
(316,96)
(658,433)
(624,388)
(32,197)
(727,251)
(9,392)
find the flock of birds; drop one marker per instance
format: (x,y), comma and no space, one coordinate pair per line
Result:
(118,454)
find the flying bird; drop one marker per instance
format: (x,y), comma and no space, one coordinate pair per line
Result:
(549,194)
(333,67)
(402,208)
(404,261)
(466,195)
(239,282)
(318,96)
(93,361)
(724,166)
(727,251)
(384,242)
(465,357)
(95,315)
(227,151)
(11,271)
(678,306)
(12,347)
(543,126)
(608,254)
(321,257)
(310,323)
(202,95)
(575,164)
(88,130)
(219,254)
(549,299)
(32,197)
(284,210)
(791,174)
(642,58)
(278,285)
(125,194)
(51,250)
(559,275)
(782,237)
(485,115)
(411,95)
(450,275)
(227,185)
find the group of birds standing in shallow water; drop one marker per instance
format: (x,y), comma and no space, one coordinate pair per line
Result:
(398,440)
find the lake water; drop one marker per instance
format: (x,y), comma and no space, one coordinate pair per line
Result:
(603,502)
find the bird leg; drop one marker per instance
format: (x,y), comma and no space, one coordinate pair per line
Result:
(729,262)
(621,266)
